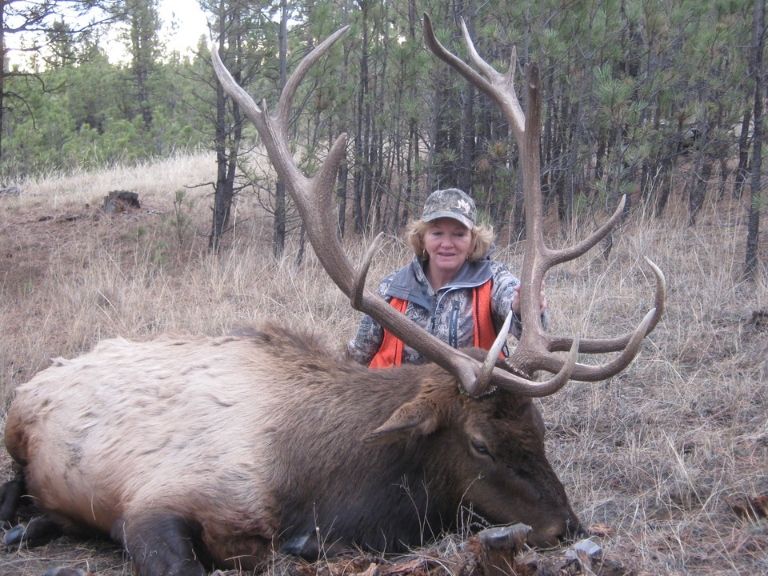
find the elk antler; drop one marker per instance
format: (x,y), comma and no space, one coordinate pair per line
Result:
(534,352)
(314,200)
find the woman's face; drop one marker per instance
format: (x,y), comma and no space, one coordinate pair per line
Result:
(447,242)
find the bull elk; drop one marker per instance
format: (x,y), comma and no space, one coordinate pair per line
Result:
(205,452)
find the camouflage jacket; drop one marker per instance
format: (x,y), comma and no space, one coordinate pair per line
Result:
(446,313)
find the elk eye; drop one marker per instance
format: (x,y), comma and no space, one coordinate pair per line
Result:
(480,447)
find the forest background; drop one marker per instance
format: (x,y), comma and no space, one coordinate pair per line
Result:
(646,97)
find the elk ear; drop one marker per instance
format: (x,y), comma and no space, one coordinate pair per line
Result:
(419,416)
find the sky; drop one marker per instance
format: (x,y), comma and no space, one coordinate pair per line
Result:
(183,23)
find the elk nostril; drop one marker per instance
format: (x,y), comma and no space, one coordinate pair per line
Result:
(573,530)
(564,531)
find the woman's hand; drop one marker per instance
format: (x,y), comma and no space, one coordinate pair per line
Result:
(516,300)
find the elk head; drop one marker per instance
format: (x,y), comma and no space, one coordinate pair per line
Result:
(314,199)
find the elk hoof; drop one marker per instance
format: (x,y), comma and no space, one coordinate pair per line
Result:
(38,532)
(302,546)
(14,536)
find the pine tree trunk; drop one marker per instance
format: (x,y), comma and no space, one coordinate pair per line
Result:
(753,226)
(278,231)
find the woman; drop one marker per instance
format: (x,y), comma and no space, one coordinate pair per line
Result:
(452,288)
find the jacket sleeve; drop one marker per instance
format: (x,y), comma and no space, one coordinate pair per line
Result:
(502,295)
(370,334)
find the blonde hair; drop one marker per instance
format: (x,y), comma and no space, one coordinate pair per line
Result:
(482,239)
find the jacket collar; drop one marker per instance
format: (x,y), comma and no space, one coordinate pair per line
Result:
(410,282)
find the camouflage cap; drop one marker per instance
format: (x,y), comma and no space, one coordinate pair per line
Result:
(450,203)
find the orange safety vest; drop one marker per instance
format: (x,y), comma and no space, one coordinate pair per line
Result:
(391,351)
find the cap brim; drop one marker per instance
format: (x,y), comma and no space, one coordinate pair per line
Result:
(448,214)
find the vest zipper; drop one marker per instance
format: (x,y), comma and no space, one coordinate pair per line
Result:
(453,328)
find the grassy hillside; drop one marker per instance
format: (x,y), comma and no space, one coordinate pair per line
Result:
(659,461)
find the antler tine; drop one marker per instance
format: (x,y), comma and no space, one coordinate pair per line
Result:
(573,252)
(587,373)
(507,81)
(232,88)
(602,345)
(485,69)
(306,63)
(496,86)
(490,360)
(358,286)
(313,196)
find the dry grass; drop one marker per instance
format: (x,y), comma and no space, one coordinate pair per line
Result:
(656,458)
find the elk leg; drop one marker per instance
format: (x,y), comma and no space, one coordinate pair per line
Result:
(38,532)
(161,543)
(10,497)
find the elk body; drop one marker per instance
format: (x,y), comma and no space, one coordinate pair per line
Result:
(234,445)
(215,451)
